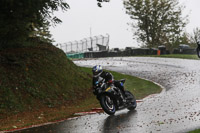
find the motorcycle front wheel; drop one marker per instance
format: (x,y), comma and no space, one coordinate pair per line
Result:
(107,104)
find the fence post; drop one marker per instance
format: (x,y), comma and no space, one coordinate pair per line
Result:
(108,41)
(71,46)
(77,46)
(86,43)
(96,42)
(82,44)
(91,43)
(102,39)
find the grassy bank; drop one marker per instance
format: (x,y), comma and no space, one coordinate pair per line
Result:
(195,131)
(180,56)
(35,79)
(37,74)
(39,84)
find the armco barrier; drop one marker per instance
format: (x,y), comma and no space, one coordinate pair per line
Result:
(132,52)
(184,51)
(129,52)
(75,55)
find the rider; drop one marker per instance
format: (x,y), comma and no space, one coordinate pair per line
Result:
(98,72)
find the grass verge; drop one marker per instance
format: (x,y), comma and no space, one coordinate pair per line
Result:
(180,56)
(195,131)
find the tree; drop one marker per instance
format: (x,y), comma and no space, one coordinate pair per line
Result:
(101,1)
(185,38)
(156,22)
(196,35)
(193,38)
(21,20)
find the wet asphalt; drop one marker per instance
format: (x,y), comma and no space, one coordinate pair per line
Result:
(175,109)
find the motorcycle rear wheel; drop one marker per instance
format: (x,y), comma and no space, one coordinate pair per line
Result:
(107,104)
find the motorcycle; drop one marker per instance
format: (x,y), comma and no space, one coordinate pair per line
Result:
(110,97)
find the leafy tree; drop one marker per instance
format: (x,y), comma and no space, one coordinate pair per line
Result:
(21,20)
(101,1)
(196,35)
(156,22)
(185,38)
(192,38)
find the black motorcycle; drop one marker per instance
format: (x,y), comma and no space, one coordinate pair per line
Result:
(110,97)
(198,49)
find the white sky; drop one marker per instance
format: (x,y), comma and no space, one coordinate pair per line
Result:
(84,16)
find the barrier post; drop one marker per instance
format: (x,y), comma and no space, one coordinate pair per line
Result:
(158,52)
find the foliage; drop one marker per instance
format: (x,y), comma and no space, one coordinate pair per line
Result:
(187,38)
(156,22)
(195,37)
(99,2)
(191,38)
(24,19)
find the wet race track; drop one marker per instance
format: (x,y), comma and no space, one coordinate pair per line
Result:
(175,109)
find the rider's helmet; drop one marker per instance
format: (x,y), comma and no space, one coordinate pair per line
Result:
(97,70)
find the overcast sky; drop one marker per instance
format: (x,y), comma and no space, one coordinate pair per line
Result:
(84,18)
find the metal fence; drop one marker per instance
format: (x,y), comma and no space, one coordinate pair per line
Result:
(95,43)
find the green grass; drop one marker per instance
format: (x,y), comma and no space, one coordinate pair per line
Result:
(195,131)
(180,56)
(139,87)
(38,76)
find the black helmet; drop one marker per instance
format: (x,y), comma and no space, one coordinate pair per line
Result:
(97,70)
